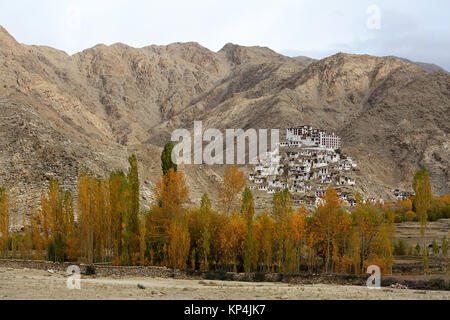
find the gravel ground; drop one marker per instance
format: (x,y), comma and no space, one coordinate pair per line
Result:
(39,284)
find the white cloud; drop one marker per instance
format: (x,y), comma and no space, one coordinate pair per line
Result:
(413,29)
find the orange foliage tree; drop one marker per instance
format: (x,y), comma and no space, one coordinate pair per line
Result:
(233,184)
(330,226)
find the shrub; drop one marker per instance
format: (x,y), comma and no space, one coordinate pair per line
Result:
(417,249)
(439,284)
(260,276)
(435,248)
(444,246)
(218,275)
(90,270)
(401,247)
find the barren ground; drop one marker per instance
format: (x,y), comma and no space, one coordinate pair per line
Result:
(39,284)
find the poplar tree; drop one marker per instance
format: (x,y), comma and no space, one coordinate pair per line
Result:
(205,234)
(248,212)
(444,248)
(229,190)
(166,158)
(133,207)
(422,201)
(118,195)
(4,221)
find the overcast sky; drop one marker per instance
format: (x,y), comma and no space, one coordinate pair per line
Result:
(417,30)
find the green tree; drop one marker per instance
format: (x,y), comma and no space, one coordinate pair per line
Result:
(435,247)
(422,201)
(418,249)
(248,206)
(444,246)
(166,158)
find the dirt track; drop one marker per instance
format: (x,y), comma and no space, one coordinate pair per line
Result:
(39,284)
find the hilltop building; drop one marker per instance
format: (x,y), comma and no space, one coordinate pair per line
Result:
(310,137)
(306,163)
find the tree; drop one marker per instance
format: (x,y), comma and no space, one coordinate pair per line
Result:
(444,249)
(282,212)
(179,244)
(232,238)
(329,226)
(418,249)
(298,234)
(142,243)
(233,184)
(435,247)
(265,232)
(204,241)
(70,231)
(410,215)
(383,248)
(171,193)
(133,207)
(56,220)
(423,195)
(366,221)
(168,216)
(86,214)
(355,250)
(422,200)
(358,198)
(118,195)
(166,158)
(251,250)
(4,220)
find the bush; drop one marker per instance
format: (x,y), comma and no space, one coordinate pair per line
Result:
(218,275)
(417,249)
(260,277)
(435,248)
(90,270)
(401,248)
(439,284)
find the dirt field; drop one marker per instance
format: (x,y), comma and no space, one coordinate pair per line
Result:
(40,284)
(410,232)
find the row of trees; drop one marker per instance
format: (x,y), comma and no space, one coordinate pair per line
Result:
(108,226)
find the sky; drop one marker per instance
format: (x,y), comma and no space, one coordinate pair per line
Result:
(417,30)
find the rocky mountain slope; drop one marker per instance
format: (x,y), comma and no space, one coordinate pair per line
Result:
(62,114)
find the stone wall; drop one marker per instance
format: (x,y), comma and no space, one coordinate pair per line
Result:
(104,270)
(163,272)
(100,269)
(33,264)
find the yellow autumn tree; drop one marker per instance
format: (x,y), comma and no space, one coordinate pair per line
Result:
(232,241)
(231,188)
(4,220)
(169,233)
(264,229)
(118,195)
(330,225)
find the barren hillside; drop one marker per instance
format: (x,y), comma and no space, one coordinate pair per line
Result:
(60,114)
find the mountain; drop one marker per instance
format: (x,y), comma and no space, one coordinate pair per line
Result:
(428,67)
(62,114)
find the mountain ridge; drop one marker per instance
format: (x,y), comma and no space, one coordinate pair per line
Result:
(110,101)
